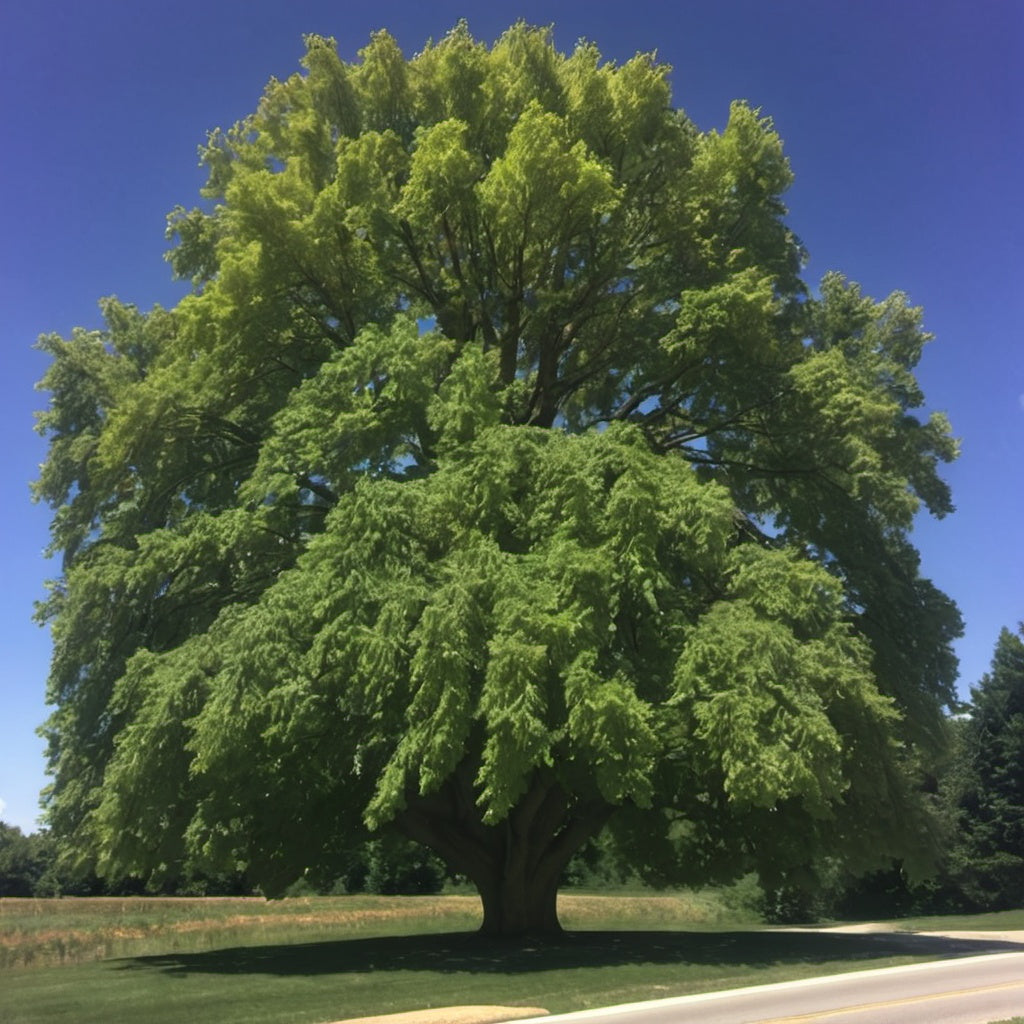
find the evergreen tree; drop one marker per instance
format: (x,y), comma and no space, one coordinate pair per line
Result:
(988,860)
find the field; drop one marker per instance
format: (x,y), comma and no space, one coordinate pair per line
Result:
(168,961)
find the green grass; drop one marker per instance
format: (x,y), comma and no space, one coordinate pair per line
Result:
(1005,920)
(315,960)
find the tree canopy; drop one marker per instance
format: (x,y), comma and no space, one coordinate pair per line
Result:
(499,479)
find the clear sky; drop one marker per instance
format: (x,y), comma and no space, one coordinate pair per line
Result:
(903,119)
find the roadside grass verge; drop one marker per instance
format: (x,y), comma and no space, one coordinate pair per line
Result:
(327,959)
(1001,921)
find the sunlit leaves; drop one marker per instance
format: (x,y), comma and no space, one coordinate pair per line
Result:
(770,676)
(734,205)
(542,192)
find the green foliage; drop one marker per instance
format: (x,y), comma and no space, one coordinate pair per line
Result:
(987,785)
(980,797)
(498,478)
(401,868)
(25,861)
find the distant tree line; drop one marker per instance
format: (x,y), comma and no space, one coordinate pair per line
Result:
(25,862)
(31,865)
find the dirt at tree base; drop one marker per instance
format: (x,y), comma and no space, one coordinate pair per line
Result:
(453,1015)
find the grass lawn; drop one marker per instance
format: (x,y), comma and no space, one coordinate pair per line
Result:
(1003,921)
(324,959)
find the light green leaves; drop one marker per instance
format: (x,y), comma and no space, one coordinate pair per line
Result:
(512,700)
(542,192)
(442,177)
(773,683)
(734,203)
(611,732)
(365,411)
(522,627)
(468,401)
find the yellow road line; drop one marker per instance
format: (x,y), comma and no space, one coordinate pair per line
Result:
(890,1003)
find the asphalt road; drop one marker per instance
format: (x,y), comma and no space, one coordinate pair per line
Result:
(970,990)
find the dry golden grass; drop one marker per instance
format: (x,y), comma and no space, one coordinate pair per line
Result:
(38,933)
(76,930)
(578,912)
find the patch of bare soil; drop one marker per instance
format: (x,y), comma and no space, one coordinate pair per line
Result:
(454,1015)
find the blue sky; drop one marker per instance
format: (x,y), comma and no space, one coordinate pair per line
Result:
(903,119)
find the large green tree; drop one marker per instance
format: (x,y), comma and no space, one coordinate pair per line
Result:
(499,479)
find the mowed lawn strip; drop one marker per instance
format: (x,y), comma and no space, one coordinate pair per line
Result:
(1000,921)
(327,959)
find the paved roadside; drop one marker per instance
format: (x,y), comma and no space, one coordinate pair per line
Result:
(960,990)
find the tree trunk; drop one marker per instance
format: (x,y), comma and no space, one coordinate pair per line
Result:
(523,906)
(515,865)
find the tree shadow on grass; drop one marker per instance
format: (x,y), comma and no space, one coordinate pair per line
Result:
(474,954)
